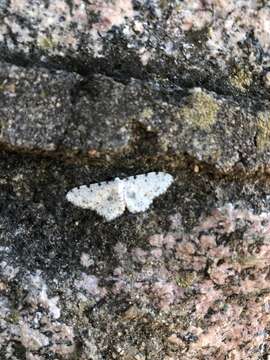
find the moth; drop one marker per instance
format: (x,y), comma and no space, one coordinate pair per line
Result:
(110,199)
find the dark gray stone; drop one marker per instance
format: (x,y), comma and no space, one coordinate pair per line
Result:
(36,107)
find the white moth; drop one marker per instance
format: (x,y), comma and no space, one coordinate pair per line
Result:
(109,199)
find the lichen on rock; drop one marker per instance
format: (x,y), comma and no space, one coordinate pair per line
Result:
(263,132)
(200,111)
(241,78)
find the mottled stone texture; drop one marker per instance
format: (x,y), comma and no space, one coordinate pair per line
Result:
(193,73)
(36,107)
(50,111)
(92,90)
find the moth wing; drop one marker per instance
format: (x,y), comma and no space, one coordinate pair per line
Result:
(141,190)
(105,198)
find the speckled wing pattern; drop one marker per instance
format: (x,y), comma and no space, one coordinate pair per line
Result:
(106,198)
(109,199)
(141,190)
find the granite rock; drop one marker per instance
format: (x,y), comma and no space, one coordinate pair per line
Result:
(36,107)
(61,111)
(93,90)
(184,279)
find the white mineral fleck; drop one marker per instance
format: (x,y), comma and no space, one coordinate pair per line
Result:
(32,339)
(86,260)
(109,199)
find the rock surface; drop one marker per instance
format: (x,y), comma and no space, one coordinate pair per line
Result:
(92,90)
